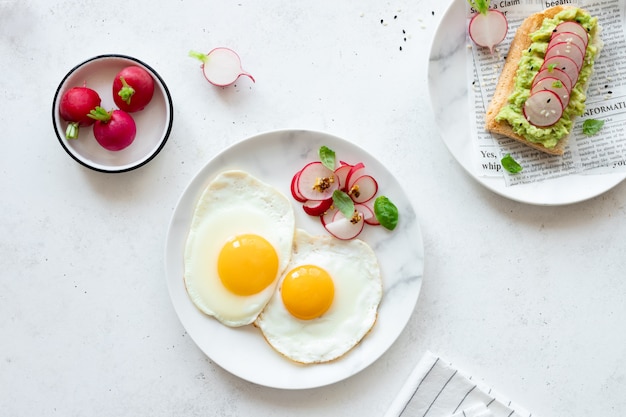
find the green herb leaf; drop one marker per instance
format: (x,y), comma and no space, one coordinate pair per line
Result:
(481,5)
(344,203)
(327,156)
(592,126)
(386,212)
(511,164)
(557,84)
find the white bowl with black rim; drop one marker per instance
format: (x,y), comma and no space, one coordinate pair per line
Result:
(154,122)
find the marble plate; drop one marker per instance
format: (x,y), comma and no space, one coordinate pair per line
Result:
(274,157)
(449,97)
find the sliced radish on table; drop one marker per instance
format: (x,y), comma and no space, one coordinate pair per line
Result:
(221,66)
(543,108)
(488,27)
(114,130)
(554,85)
(363,189)
(317,207)
(568,50)
(75,106)
(346,228)
(573,27)
(563,63)
(316,182)
(557,73)
(569,37)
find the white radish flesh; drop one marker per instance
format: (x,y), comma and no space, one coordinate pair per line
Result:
(573,27)
(563,63)
(342,174)
(343,228)
(569,37)
(554,85)
(368,214)
(554,73)
(363,189)
(316,182)
(568,50)
(488,29)
(353,174)
(543,108)
(222,67)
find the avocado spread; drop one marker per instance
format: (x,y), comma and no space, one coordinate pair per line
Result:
(529,65)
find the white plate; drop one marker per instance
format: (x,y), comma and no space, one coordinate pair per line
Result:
(154,123)
(274,157)
(449,97)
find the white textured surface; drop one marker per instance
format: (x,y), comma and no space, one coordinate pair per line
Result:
(529,298)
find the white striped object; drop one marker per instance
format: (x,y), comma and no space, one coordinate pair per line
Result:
(436,389)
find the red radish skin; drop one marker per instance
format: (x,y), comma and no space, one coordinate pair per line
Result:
(563,63)
(573,27)
(133,88)
(75,106)
(569,37)
(568,50)
(342,174)
(554,85)
(363,189)
(488,29)
(316,182)
(294,188)
(317,208)
(559,74)
(114,130)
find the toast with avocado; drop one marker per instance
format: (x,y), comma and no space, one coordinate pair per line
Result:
(543,84)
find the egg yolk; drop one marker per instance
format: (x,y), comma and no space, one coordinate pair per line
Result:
(307,292)
(247,264)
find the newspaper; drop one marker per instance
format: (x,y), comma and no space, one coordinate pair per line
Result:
(604,152)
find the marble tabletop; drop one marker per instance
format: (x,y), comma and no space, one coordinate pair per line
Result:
(525,297)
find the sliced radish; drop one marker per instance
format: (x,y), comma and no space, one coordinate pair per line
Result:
(317,207)
(344,228)
(353,174)
(328,216)
(569,37)
(316,182)
(368,214)
(488,29)
(543,108)
(295,193)
(363,189)
(554,85)
(573,27)
(563,63)
(342,174)
(568,50)
(557,73)
(221,66)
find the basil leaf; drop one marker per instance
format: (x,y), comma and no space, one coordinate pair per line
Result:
(327,156)
(511,164)
(344,203)
(592,126)
(386,212)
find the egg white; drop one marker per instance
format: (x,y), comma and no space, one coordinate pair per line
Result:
(234,203)
(354,269)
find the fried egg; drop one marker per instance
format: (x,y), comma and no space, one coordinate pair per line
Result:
(327,299)
(239,243)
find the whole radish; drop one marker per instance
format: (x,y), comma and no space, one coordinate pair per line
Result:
(114,130)
(76,104)
(133,88)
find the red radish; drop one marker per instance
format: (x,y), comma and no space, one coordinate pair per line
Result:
(569,37)
(488,27)
(295,193)
(363,189)
(573,27)
(563,63)
(76,103)
(543,109)
(353,174)
(316,182)
(133,88)
(569,50)
(114,130)
(344,228)
(342,174)
(557,73)
(368,214)
(317,207)
(221,66)
(554,85)
(328,216)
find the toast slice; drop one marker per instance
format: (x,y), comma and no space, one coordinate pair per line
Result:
(506,83)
